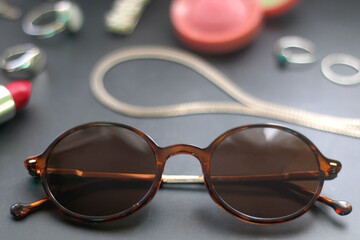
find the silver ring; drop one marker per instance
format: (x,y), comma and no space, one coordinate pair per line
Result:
(23,61)
(68,16)
(341,59)
(283,46)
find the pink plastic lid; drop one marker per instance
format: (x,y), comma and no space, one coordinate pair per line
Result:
(216,26)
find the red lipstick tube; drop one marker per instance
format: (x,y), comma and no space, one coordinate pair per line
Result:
(13,97)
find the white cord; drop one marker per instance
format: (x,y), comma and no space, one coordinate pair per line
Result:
(246,104)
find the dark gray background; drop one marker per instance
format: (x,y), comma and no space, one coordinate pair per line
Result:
(62,99)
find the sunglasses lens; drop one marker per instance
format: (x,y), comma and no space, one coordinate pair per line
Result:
(101,170)
(265,172)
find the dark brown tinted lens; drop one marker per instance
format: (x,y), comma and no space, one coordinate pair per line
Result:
(101,170)
(265,172)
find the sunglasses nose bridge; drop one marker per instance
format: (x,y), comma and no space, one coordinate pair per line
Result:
(184,149)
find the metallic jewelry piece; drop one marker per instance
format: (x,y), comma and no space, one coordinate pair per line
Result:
(341,59)
(68,16)
(283,46)
(124,16)
(23,61)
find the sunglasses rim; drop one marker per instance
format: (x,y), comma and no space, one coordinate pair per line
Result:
(320,159)
(106,218)
(161,159)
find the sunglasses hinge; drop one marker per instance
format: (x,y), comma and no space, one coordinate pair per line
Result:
(31,166)
(334,169)
(330,176)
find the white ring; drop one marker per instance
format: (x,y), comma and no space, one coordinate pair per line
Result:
(22,61)
(67,16)
(342,59)
(282,50)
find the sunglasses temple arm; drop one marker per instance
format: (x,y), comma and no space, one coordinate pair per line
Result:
(182,179)
(340,207)
(21,210)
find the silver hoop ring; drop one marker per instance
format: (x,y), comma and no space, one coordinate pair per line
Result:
(23,61)
(283,46)
(341,59)
(67,16)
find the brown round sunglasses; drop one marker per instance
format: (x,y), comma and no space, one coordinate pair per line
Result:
(258,173)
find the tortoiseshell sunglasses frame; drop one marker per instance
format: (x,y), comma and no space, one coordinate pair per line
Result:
(37,167)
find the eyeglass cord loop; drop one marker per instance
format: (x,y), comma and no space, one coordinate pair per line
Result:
(246,104)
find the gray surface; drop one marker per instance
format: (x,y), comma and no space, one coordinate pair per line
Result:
(62,99)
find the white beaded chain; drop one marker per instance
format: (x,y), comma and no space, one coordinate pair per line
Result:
(245,103)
